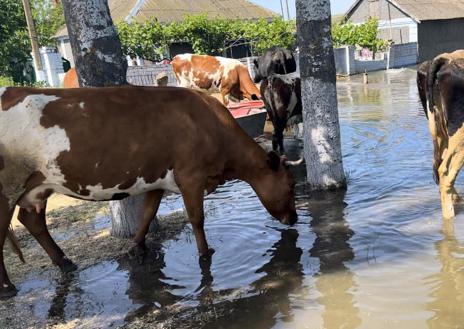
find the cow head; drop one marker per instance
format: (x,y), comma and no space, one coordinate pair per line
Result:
(276,188)
(258,77)
(247,88)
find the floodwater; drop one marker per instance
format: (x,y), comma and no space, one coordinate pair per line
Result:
(376,256)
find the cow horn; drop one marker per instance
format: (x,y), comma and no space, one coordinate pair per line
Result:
(294,163)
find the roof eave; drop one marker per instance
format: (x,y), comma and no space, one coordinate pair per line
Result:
(394,3)
(358,2)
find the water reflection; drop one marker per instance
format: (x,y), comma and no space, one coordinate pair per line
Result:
(334,282)
(146,282)
(269,298)
(56,311)
(448,291)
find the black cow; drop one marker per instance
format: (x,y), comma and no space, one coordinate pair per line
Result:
(282,98)
(441,85)
(274,60)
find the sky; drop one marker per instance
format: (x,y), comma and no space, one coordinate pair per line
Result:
(338,6)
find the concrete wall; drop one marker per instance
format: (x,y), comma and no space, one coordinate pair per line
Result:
(146,75)
(347,63)
(341,64)
(64,48)
(436,37)
(402,55)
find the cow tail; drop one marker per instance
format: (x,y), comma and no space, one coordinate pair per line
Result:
(434,68)
(15,243)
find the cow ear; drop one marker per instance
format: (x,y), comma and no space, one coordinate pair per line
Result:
(273,160)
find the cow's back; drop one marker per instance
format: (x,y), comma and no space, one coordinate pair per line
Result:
(198,72)
(86,141)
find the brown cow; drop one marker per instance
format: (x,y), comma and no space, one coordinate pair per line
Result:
(70,79)
(441,89)
(215,74)
(109,143)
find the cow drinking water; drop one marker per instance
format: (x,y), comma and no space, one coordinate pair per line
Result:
(110,143)
(441,84)
(215,74)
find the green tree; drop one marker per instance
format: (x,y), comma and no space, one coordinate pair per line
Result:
(14,42)
(150,40)
(362,35)
(48,18)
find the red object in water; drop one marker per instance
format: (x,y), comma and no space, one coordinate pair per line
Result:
(245,108)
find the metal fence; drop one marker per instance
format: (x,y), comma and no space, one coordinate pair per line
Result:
(146,75)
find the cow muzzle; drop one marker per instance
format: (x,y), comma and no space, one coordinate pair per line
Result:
(290,219)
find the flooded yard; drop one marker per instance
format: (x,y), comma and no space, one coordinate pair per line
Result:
(376,256)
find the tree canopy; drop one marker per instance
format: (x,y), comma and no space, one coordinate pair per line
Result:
(362,35)
(15,47)
(150,39)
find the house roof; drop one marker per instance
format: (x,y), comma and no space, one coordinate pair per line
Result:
(424,10)
(166,11)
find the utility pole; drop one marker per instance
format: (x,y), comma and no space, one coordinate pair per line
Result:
(282,9)
(322,144)
(288,10)
(33,38)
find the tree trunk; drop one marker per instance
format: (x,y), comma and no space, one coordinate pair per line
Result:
(322,146)
(126,216)
(95,43)
(100,62)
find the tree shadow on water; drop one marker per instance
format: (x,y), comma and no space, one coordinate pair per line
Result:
(334,281)
(269,296)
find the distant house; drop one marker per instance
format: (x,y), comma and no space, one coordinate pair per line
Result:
(166,11)
(436,25)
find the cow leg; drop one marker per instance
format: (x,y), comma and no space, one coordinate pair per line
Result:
(448,171)
(193,199)
(35,223)
(225,97)
(150,208)
(278,138)
(7,289)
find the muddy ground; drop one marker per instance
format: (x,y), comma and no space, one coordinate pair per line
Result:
(83,232)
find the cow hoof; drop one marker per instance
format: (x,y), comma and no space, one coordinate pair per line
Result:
(138,252)
(67,266)
(8,291)
(208,254)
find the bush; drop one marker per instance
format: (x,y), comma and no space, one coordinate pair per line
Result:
(9,82)
(6,81)
(150,40)
(363,35)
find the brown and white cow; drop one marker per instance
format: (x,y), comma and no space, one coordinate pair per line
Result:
(215,74)
(441,89)
(109,143)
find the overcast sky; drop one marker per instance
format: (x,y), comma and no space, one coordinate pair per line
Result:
(338,6)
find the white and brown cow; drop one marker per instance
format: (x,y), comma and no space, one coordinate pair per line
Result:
(441,89)
(109,143)
(215,75)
